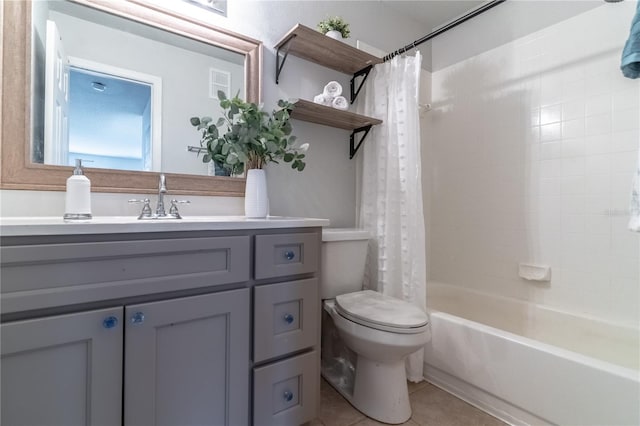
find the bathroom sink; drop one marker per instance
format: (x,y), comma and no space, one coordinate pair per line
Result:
(10,226)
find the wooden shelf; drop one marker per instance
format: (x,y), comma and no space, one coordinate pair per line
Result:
(314,46)
(328,116)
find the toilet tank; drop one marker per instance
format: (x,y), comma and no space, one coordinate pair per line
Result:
(344,253)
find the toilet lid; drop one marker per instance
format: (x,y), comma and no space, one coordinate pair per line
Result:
(375,308)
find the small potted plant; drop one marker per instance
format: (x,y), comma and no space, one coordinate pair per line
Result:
(251,139)
(334,27)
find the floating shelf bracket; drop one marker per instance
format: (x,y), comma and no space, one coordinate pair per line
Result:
(353,148)
(282,56)
(362,73)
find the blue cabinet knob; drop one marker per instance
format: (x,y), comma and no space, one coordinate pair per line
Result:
(289,255)
(288,396)
(110,322)
(288,318)
(137,318)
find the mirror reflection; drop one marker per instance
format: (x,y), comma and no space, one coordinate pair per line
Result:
(119,93)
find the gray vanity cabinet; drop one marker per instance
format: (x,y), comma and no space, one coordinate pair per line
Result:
(186,361)
(63,370)
(161,328)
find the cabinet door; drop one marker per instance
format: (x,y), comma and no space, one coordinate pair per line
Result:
(187,361)
(63,370)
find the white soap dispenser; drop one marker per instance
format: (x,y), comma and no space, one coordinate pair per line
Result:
(78,199)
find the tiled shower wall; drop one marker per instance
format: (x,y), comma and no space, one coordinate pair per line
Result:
(532,149)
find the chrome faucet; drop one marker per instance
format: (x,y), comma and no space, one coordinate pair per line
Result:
(162,189)
(160,212)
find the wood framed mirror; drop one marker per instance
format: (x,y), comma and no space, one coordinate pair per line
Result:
(19,172)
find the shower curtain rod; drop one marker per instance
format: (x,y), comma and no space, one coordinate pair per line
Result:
(447,27)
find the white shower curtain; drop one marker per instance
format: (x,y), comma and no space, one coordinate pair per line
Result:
(390,205)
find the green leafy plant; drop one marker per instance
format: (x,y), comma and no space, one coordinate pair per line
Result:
(335,23)
(246,137)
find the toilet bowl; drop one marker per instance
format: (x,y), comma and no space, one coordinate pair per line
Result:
(381,330)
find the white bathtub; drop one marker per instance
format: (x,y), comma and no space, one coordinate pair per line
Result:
(527,364)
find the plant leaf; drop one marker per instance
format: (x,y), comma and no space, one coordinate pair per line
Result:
(194,121)
(221,95)
(272,147)
(212,145)
(232,158)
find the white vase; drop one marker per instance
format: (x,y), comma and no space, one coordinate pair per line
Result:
(334,34)
(256,201)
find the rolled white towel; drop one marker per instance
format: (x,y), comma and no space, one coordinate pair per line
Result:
(319,99)
(332,89)
(340,102)
(322,100)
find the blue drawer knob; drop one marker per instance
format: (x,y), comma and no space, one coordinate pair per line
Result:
(110,322)
(289,255)
(137,318)
(288,318)
(288,396)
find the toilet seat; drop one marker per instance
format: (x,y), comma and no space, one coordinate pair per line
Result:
(375,310)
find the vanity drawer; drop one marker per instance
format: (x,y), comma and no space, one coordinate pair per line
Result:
(285,318)
(48,275)
(289,254)
(285,392)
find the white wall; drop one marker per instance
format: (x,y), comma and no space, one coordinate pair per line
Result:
(502,24)
(532,149)
(426,132)
(326,188)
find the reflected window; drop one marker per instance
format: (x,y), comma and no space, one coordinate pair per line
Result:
(109,121)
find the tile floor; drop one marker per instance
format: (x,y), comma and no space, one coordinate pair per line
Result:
(431,407)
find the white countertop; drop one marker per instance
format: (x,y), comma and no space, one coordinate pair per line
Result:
(26,226)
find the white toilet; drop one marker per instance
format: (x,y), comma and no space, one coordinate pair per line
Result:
(381,330)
